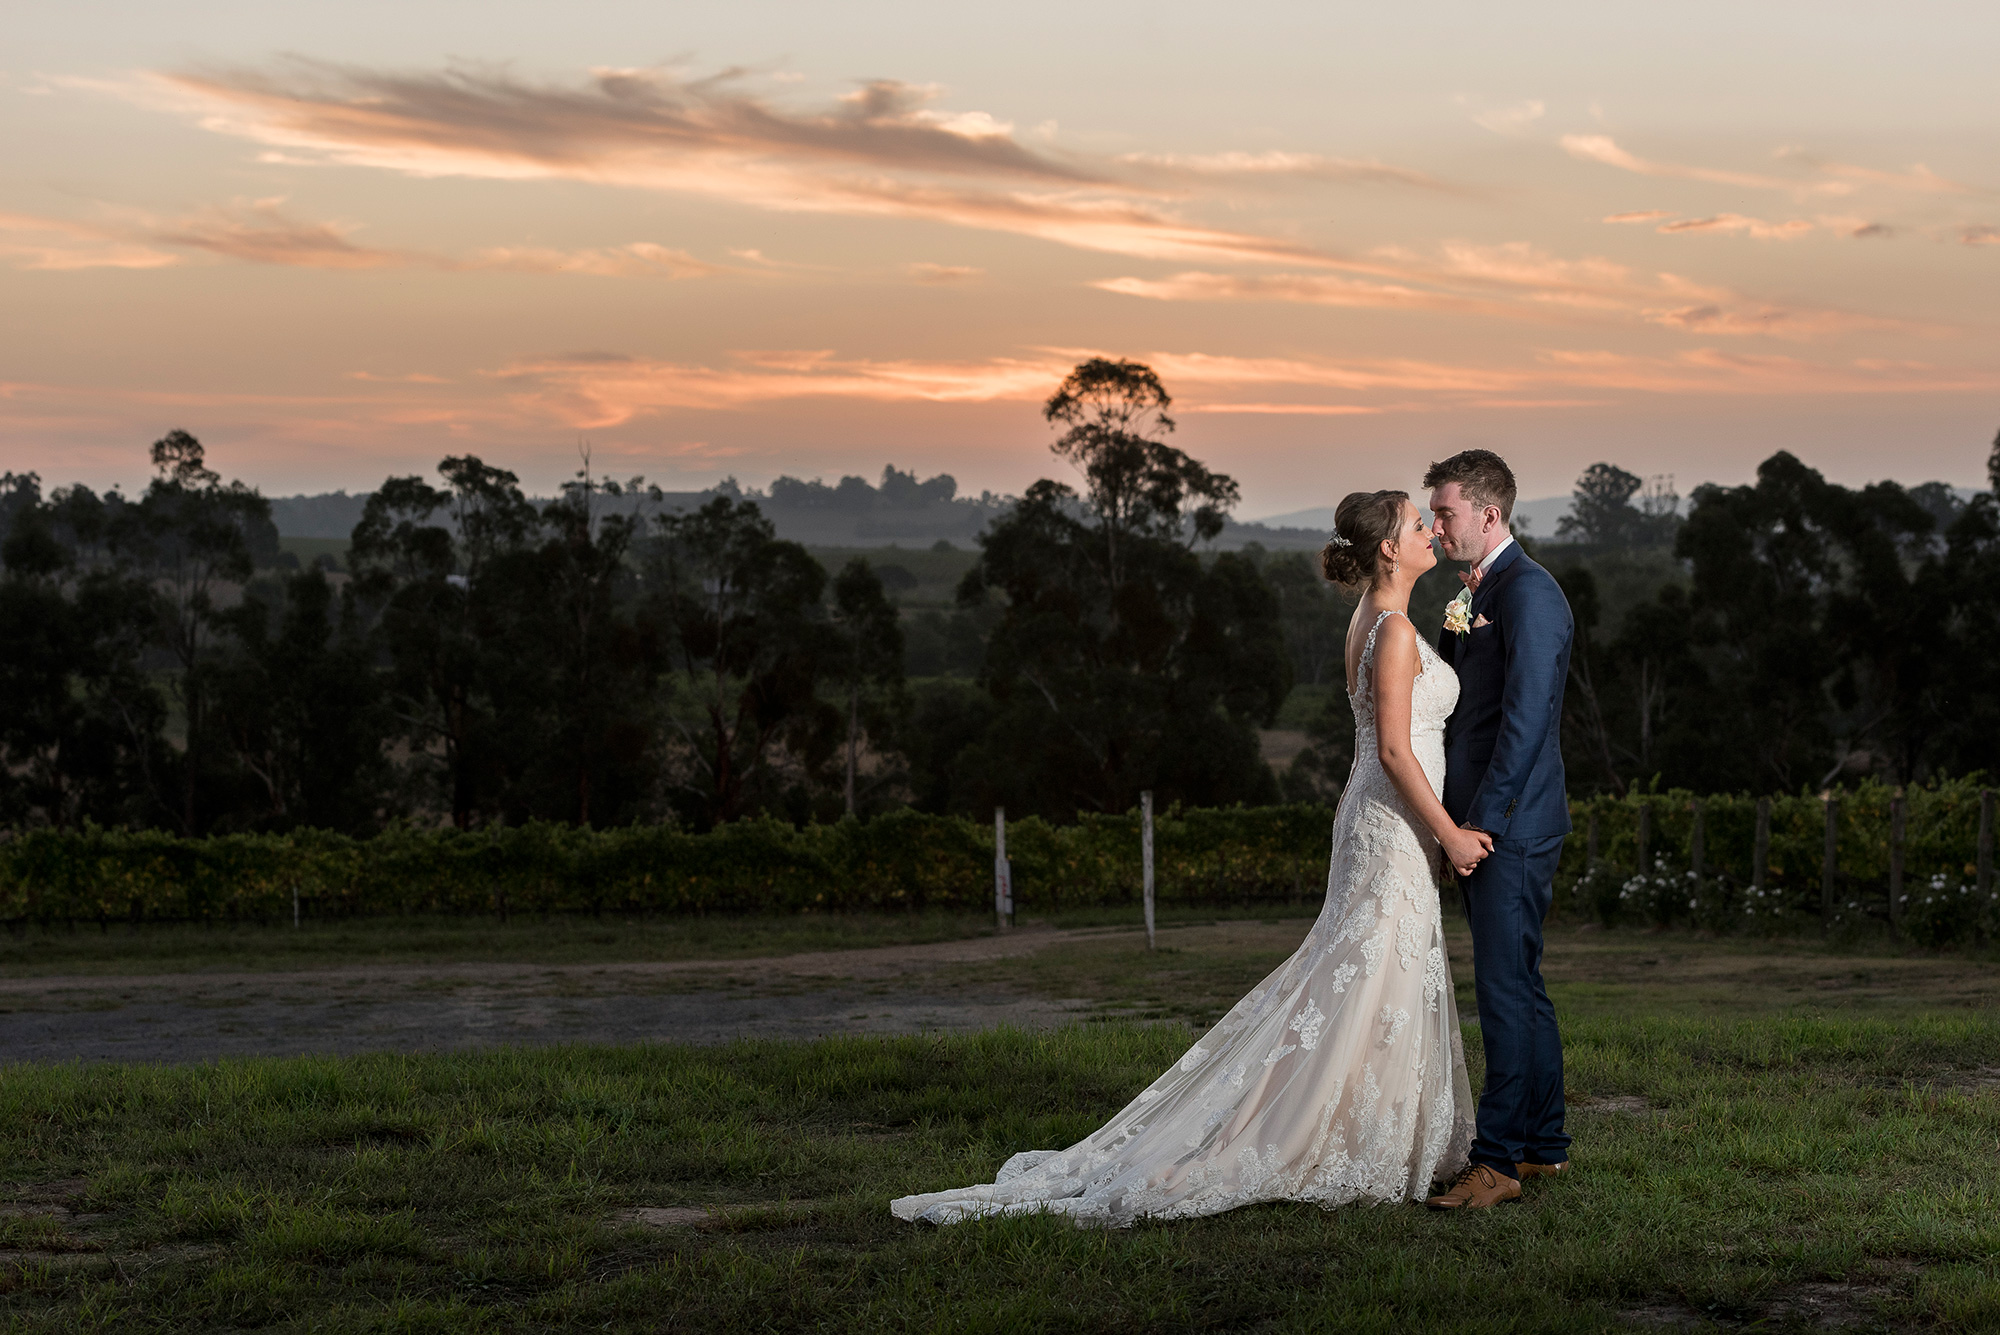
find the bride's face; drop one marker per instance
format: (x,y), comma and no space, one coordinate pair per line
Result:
(1413,551)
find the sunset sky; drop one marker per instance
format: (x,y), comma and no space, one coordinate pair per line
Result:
(341,241)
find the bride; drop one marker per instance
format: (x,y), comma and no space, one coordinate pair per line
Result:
(1341,1076)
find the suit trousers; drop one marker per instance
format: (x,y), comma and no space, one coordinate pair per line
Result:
(1521,1105)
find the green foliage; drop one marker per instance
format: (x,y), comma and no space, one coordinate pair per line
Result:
(740,613)
(1827,632)
(1940,905)
(1603,515)
(1111,680)
(901,860)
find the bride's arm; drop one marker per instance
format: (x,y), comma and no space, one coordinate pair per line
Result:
(1395,678)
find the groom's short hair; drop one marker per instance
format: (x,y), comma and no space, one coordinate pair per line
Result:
(1482,476)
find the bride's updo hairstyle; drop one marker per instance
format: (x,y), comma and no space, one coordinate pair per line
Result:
(1361,524)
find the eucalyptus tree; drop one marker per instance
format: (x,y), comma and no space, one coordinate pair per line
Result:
(743,626)
(302,711)
(421,558)
(81,729)
(192,537)
(1122,660)
(867,663)
(1136,486)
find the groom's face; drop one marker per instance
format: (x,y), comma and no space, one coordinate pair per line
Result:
(1464,530)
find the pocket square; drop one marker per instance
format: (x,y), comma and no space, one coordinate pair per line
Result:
(1480,620)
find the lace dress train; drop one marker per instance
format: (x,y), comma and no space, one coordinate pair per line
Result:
(1341,1077)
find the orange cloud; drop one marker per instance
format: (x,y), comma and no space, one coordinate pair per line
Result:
(882,151)
(1312,289)
(1838,178)
(1919,179)
(260,232)
(1516,281)
(602,390)
(1603,148)
(1276,165)
(1789,230)
(926,272)
(53,243)
(606,389)
(1979,235)
(638,259)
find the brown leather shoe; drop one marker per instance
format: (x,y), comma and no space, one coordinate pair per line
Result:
(1528,1170)
(1475,1189)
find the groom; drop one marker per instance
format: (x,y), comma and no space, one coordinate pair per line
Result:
(1504,775)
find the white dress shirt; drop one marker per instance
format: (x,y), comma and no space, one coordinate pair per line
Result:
(1494,555)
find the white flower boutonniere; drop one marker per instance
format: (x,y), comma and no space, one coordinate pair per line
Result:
(1458,613)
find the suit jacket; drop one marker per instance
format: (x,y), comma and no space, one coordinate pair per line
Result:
(1503,747)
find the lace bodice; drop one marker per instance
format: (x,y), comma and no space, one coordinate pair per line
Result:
(1341,1077)
(1432,697)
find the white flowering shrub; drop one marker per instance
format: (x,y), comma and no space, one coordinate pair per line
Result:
(1948,909)
(1712,902)
(1666,894)
(1650,896)
(1764,908)
(1596,893)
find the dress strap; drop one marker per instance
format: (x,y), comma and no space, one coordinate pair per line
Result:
(1368,649)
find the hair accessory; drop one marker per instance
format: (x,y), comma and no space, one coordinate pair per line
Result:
(1339,541)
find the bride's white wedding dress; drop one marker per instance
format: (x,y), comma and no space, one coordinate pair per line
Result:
(1339,1078)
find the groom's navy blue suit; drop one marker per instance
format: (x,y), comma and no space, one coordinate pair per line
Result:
(1504,775)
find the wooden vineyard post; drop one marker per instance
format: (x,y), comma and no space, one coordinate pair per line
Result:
(1645,837)
(295,906)
(1829,861)
(1003,872)
(1985,841)
(1146,859)
(1896,861)
(1590,844)
(1697,843)
(1760,855)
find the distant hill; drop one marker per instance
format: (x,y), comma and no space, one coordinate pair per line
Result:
(850,513)
(331,514)
(1536,518)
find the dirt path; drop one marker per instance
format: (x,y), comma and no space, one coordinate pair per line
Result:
(863,963)
(451,1006)
(1034,977)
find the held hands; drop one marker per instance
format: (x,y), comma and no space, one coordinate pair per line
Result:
(1465,849)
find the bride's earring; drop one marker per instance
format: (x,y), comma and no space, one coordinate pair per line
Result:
(1395,567)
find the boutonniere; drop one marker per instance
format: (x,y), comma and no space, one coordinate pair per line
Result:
(1458,613)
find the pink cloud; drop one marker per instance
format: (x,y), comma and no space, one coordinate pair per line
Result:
(1790,230)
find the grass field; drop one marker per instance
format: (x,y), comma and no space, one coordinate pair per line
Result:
(1768,1136)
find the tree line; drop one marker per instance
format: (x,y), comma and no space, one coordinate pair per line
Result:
(487,659)
(1788,634)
